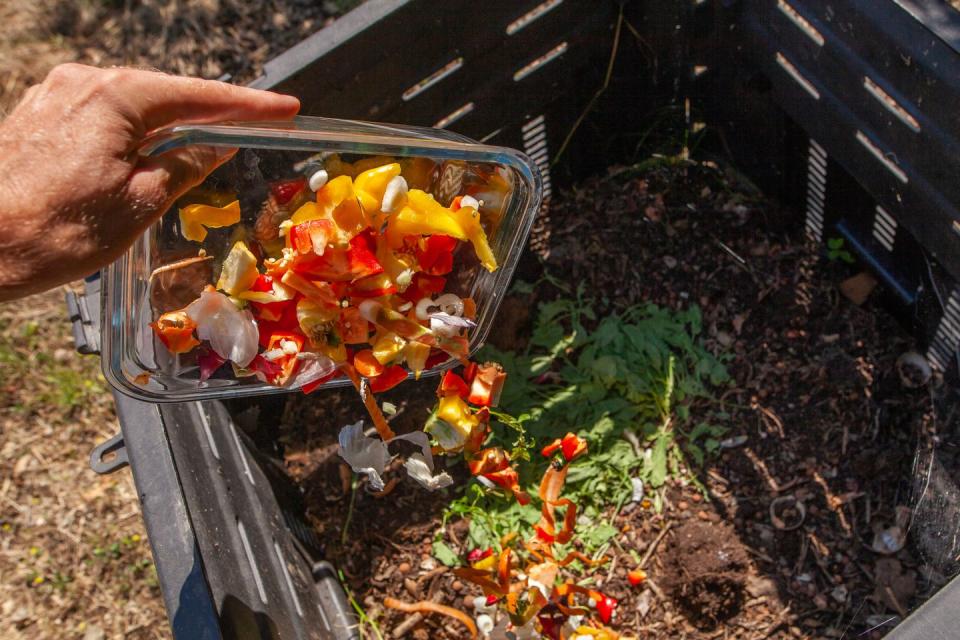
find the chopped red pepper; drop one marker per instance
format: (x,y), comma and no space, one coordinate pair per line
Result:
(606,607)
(571,446)
(270,370)
(436,257)
(487,385)
(489,461)
(391,377)
(452,383)
(366,365)
(508,479)
(492,600)
(424,286)
(285,190)
(354,328)
(373,287)
(479,554)
(636,576)
(311,236)
(175,330)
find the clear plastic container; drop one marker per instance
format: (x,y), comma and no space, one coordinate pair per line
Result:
(444,163)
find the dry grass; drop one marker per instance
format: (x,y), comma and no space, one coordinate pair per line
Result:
(74,559)
(206,38)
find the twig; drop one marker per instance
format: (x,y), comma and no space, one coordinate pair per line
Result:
(413,619)
(761,468)
(600,91)
(653,545)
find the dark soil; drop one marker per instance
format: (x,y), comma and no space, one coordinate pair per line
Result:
(706,571)
(822,425)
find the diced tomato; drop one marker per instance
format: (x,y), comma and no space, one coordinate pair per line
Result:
(391,377)
(269,311)
(287,322)
(366,365)
(354,328)
(285,190)
(424,285)
(470,372)
(452,383)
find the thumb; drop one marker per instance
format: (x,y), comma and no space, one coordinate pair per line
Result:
(157,181)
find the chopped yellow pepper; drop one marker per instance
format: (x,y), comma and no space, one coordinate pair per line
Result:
(195,218)
(424,216)
(416,354)
(336,201)
(387,347)
(239,270)
(371,184)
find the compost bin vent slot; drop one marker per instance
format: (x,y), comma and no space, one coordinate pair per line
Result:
(802,23)
(797,75)
(540,61)
(944,346)
(288,578)
(884,228)
(816,190)
(251,559)
(454,115)
(243,457)
(446,70)
(205,423)
(534,133)
(532,16)
(890,104)
(886,159)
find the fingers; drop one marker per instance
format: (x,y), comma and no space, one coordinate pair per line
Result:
(161,100)
(158,181)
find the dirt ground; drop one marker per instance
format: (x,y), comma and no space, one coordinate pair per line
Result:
(821,461)
(74,559)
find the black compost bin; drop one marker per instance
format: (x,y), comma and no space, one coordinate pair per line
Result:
(846,109)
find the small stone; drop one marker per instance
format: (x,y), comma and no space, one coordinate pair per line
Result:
(724,338)
(839,594)
(94,632)
(682,505)
(703,515)
(696,497)
(428,564)
(758,587)
(670,262)
(457,586)
(62,355)
(404,567)
(411,586)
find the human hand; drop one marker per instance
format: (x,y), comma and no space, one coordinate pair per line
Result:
(74,192)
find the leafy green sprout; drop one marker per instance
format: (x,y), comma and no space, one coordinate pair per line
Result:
(630,376)
(837,251)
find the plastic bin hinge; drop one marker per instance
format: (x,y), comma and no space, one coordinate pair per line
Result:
(84,312)
(109,456)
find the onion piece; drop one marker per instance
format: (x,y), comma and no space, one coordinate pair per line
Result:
(370,309)
(450,303)
(313,367)
(418,469)
(232,333)
(423,308)
(394,194)
(365,455)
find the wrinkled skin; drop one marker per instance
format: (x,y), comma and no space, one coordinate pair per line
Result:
(74,192)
